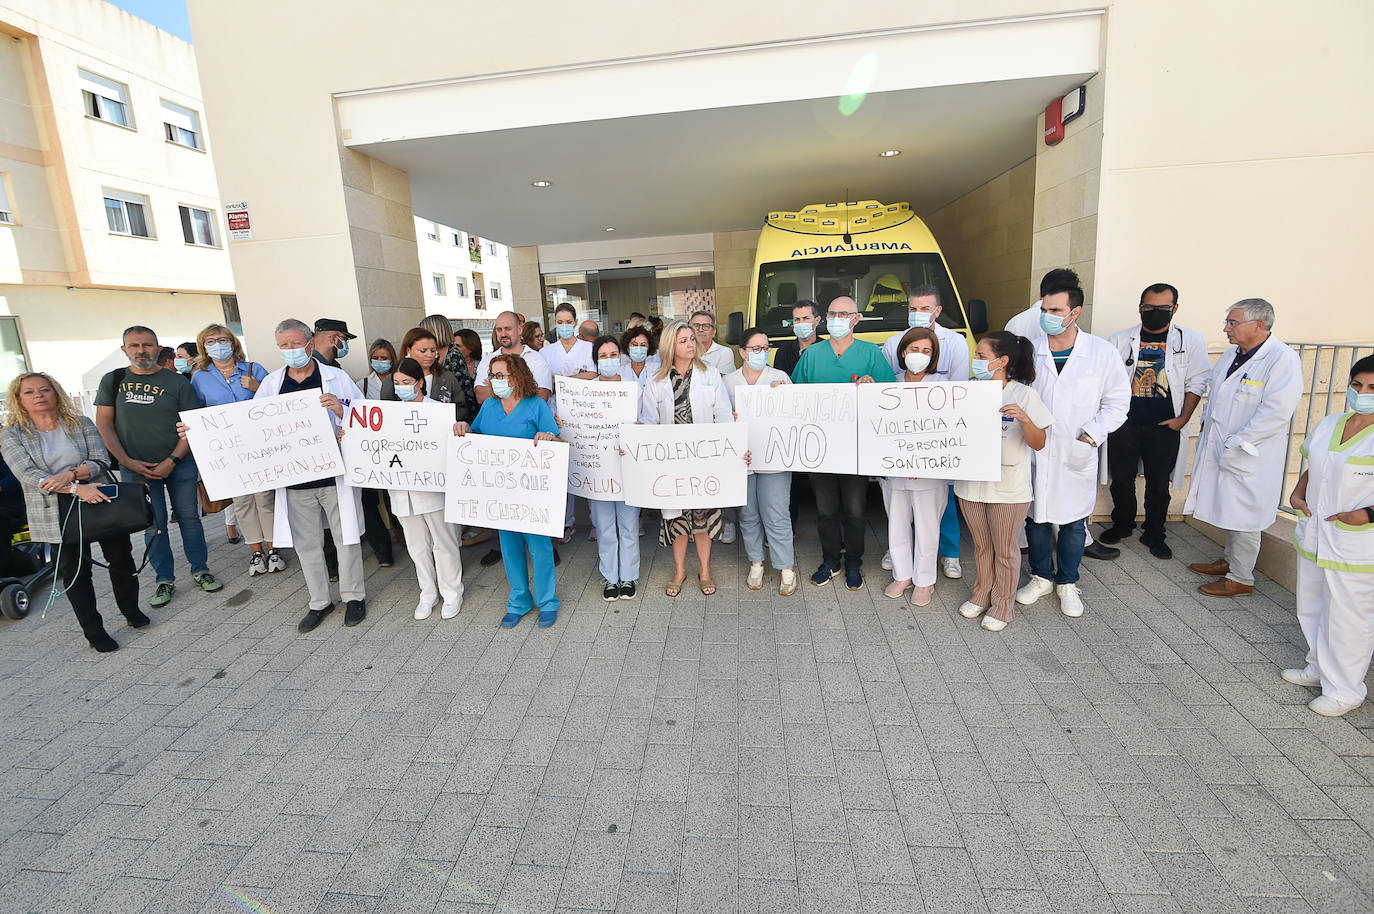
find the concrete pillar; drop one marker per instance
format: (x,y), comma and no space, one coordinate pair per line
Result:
(734,262)
(526,291)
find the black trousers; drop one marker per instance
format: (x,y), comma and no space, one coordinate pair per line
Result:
(374,528)
(841,502)
(1155,447)
(74,569)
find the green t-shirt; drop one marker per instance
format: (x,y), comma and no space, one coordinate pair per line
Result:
(818,364)
(146,410)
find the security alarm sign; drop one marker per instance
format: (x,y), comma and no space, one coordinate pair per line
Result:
(240,228)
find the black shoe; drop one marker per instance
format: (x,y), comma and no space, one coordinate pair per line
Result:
(355,611)
(333,575)
(823,575)
(103,643)
(137,619)
(491,558)
(1113,535)
(854,578)
(313,618)
(628,589)
(1158,548)
(557,559)
(1096,550)
(611,592)
(385,563)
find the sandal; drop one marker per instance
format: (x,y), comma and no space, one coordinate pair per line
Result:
(674,587)
(708,586)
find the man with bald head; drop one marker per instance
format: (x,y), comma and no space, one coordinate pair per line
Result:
(588,330)
(507,338)
(841,499)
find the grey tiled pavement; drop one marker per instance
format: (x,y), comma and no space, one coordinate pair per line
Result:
(831,752)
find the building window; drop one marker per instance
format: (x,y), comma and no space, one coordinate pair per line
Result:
(496,291)
(491,249)
(478,300)
(460,287)
(438,279)
(182,125)
(13,360)
(105,99)
(433,233)
(198,226)
(457,239)
(6,208)
(127,214)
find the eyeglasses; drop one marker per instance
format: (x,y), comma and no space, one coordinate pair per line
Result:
(755,348)
(833,315)
(494,376)
(1230,323)
(703,326)
(216,340)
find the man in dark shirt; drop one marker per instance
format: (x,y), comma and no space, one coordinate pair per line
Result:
(806,324)
(331,341)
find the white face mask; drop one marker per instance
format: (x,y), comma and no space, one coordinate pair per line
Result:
(917,362)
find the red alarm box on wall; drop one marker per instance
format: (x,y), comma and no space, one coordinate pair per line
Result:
(1062,110)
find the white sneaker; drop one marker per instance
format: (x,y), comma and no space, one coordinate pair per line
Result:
(423,609)
(450,610)
(992,625)
(755,579)
(1302,677)
(971,610)
(257,564)
(1036,588)
(1327,706)
(275,562)
(951,568)
(727,533)
(789,582)
(887,560)
(1070,601)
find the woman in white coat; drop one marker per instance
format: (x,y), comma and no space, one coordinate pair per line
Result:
(685,390)
(1238,471)
(1335,545)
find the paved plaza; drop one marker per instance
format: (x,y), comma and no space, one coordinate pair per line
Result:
(829,752)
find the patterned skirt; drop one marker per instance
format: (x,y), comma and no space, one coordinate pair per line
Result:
(691,522)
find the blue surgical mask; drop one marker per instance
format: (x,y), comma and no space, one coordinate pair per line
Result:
(381,366)
(220,351)
(1052,324)
(758,360)
(183,365)
(804,329)
(837,326)
(608,368)
(296,358)
(500,387)
(405,391)
(980,370)
(918,319)
(341,350)
(639,353)
(1360,403)
(565,331)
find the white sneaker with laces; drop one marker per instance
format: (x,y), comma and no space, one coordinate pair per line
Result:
(275,562)
(992,625)
(755,579)
(256,564)
(449,610)
(971,610)
(789,582)
(1036,588)
(1327,706)
(423,609)
(727,533)
(1070,601)
(950,567)
(887,560)
(1302,677)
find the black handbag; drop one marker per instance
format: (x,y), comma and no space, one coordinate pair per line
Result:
(129,511)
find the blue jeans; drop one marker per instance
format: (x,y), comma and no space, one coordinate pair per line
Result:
(949,528)
(767,511)
(617,539)
(1067,553)
(181,488)
(521,600)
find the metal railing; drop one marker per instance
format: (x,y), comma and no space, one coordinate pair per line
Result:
(1327,368)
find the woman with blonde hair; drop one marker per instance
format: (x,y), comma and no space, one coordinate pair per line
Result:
(224,375)
(451,359)
(50,447)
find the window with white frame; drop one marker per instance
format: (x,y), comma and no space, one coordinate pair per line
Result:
(457,239)
(182,125)
(460,287)
(438,279)
(198,226)
(104,99)
(6,208)
(496,291)
(491,248)
(127,214)
(433,233)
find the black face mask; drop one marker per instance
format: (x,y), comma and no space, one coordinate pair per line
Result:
(1156,319)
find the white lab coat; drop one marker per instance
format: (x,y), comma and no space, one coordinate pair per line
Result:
(1091,395)
(710,403)
(1188,367)
(1238,469)
(1027,323)
(1336,560)
(337,382)
(954,357)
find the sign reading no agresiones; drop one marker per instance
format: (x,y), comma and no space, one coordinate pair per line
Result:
(942,430)
(392,445)
(803,427)
(507,483)
(263,443)
(685,466)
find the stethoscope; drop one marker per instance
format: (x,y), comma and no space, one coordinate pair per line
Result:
(1177,351)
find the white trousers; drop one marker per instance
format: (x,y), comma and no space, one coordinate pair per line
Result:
(434,548)
(913,531)
(1336,612)
(1242,552)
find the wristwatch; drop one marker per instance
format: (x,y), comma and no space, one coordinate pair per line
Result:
(1369,513)
(175,459)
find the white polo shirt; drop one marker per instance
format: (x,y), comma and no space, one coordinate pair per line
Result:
(543,378)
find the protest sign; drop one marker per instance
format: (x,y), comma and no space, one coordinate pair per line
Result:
(804,427)
(590,414)
(507,483)
(388,444)
(684,466)
(943,430)
(263,443)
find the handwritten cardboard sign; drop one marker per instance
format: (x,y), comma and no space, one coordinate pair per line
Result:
(590,414)
(685,466)
(507,483)
(392,445)
(263,443)
(802,427)
(941,430)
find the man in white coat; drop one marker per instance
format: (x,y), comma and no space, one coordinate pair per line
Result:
(300,508)
(1167,367)
(1238,470)
(1079,378)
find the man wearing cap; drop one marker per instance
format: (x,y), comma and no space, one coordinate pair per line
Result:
(331,341)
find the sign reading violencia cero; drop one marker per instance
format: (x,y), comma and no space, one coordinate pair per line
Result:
(854,248)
